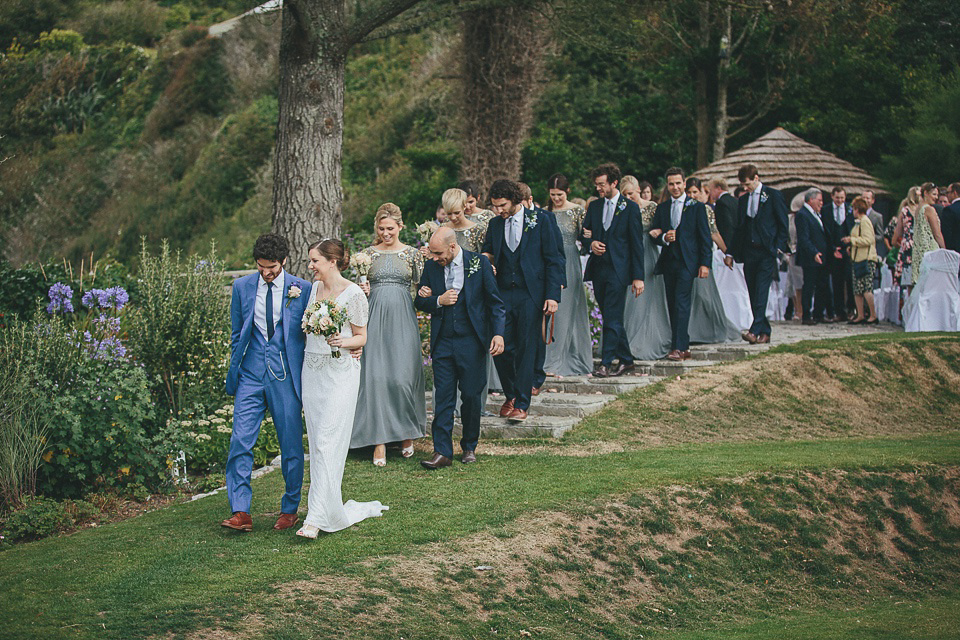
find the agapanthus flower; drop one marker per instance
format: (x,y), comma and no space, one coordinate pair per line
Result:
(117,297)
(61,299)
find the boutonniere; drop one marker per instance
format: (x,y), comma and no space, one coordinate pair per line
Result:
(763,197)
(688,203)
(621,206)
(531,220)
(293,293)
(474,266)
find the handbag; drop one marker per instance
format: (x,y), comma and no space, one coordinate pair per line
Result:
(861,269)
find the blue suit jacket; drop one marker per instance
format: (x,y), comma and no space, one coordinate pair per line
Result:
(811,238)
(950,226)
(770,223)
(624,240)
(242,325)
(543,267)
(480,294)
(693,244)
(558,238)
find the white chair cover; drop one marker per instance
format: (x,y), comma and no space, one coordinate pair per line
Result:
(777,300)
(934,304)
(887,298)
(733,292)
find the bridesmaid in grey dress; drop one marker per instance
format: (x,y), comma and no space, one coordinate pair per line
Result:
(571,354)
(708,321)
(472,209)
(391,406)
(646,318)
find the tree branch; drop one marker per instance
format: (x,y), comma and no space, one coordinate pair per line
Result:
(372,15)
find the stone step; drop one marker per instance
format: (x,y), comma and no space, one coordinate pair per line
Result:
(535,426)
(548,403)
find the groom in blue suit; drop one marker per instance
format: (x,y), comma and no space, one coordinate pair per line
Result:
(522,247)
(680,226)
(459,291)
(612,232)
(266,356)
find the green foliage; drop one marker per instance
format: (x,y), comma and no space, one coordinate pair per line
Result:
(38,518)
(178,330)
(21,289)
(24,20)
(204,437)
(139,22)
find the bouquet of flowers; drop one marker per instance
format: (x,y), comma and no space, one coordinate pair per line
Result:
(426,230)
(361,263)
(325,318)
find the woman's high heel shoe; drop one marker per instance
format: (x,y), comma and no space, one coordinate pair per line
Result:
(380,460)
(407,450)
(308,531)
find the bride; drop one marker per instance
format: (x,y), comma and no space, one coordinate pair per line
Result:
(330,388)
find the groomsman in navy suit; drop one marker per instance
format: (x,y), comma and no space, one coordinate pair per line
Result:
(762,235)
(612,232)
(521,245)
(466,322)
(680,226)
(838,222)
(812,252)
(950,219)
(266,356)
(539,373)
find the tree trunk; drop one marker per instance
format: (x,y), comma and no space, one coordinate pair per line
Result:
(307,194)
(702,61)
(722,117)
(502,72)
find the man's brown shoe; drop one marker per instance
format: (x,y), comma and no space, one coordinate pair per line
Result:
(675,355)
(602,372)
(435,462)
(468,457)
(535,391)
(763,339)
(749,337)
(506,408)
(240,521)
(285,521)
(517,415)
(685,355)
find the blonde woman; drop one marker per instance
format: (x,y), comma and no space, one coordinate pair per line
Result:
(469,233)
(903,238)
(392,404)
(927,236)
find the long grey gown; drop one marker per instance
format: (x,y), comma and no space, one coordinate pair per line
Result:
(708,321)
(392,402)
(646,318)
(571,354)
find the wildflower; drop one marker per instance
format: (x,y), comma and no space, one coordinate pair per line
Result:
(61,299)
(117,297)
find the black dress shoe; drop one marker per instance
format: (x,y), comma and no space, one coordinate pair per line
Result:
(626,368)
(468,457)
(602,372)
(809,321)
(436,462)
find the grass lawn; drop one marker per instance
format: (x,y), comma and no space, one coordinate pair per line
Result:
(581,544)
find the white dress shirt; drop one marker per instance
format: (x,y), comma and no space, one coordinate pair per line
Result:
(839,213)
(260,308)
(816,216)
(754,203)
(609,207)
(676,211)
(453,272)
(514,229)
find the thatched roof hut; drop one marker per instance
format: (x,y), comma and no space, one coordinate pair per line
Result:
(787,162)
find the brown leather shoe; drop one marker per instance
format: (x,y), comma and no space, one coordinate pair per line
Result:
(468,457)
(602,372)
(624,369)
(286,520)
(506,408)
(749,337)
(517,415)
(535,391)
(685,355)
(675,355)
(763,339)
(436,462)
(240,521)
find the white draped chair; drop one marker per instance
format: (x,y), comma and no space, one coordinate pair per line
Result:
(887,298)
(777,300)
(934,304)
(733,292)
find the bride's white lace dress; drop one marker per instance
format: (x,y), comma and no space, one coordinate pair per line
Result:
(330,388)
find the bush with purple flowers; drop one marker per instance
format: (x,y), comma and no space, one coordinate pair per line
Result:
(61,299)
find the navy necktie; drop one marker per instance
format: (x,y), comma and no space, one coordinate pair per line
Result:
(270,327)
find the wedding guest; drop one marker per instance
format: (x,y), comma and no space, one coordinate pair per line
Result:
(473,209)
(391,406)
(725,210)
(838,220)
(646,191)
(812,248)
(469,233)
(522,247)
(876,219)
(680,226)
(903,239)
(539,373)
(613,234)
(708,321)
(646,317)
(926,228)
(863,256)
(466,324)
(266,357)
(756,244)
(950,219)
(571,352)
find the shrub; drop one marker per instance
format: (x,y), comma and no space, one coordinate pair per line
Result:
(39,517)
(139,22)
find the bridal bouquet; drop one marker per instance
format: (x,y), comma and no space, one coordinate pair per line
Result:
(361,263)
(426,230)
(325,318)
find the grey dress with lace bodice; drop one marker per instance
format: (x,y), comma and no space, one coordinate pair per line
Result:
(646,318)
(392,404)
(572,353)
